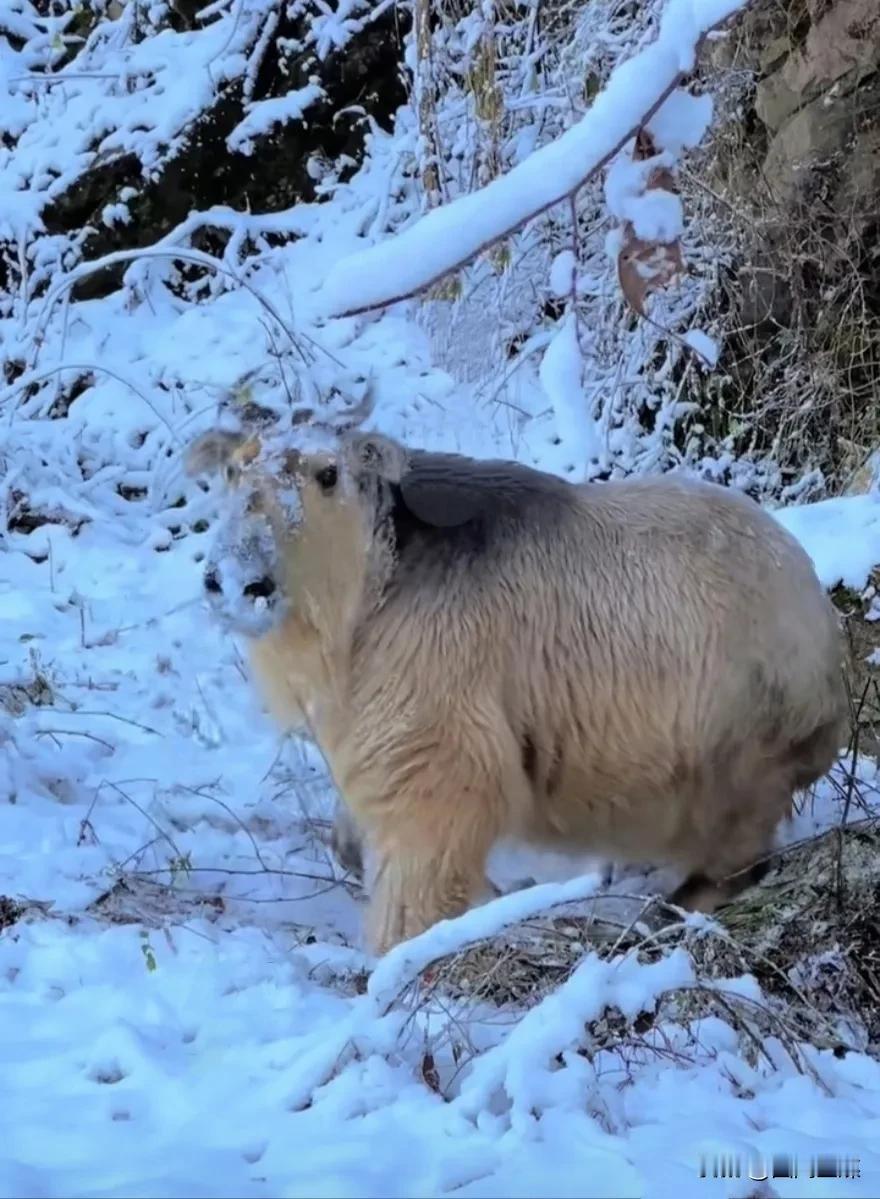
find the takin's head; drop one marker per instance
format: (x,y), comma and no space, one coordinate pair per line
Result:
(291,522)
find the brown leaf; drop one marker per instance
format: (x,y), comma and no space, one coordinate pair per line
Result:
(659,176)
(429,1073)
(644,266)
(644,147)
(663,178)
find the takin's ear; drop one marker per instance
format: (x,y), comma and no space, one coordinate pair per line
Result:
(445,492)
(374,454)
(216,449)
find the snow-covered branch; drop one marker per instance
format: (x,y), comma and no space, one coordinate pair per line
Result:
(450,236)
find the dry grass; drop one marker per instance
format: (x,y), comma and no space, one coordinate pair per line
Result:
(10,912)
(809,935)
(860,613)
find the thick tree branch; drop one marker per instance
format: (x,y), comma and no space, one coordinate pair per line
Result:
(449,237)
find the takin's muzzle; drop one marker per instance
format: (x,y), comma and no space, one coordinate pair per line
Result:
(240,580)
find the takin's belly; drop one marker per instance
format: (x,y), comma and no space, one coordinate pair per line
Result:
(602,813)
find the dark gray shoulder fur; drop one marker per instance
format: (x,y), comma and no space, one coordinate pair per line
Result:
(446,491)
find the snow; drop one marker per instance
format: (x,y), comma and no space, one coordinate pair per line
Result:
(655,214)
(264,114)
(455,232)
(562,271)
(842,536)
(561,375)
(681,121)
(703,344)
(186,1008)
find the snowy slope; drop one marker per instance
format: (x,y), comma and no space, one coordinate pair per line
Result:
(184,1005)
(216,1045)
(201,1031)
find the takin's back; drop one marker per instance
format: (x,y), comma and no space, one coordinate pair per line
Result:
(666,553)
(618,622)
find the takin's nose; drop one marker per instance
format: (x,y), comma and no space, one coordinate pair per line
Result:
(261,588)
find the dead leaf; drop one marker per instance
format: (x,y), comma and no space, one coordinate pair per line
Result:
(661,177)
(645,266)
(644,147)
(429,1073)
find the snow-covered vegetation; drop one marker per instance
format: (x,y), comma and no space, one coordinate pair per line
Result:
(246,209)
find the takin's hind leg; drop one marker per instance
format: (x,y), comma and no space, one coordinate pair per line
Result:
(700,893)
(741,844)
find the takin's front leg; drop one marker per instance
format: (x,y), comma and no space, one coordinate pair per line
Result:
(432,833)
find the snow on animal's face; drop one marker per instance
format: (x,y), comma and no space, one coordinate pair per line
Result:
(260,510)
(241,570)
(294,525)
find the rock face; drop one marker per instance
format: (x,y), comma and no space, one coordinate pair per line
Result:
(815,103)
(839,51)
(799,164)
(819,103)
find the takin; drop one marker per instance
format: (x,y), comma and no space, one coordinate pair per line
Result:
(644,669)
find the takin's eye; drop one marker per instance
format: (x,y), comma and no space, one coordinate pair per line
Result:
(231,473)
(326,478)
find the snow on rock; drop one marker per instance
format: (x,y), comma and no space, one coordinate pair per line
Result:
(264,114)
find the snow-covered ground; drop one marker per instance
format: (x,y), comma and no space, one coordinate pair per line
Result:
(185,1009)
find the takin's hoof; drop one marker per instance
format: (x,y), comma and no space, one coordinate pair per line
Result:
(493,891)
(699,893)
(347,850)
